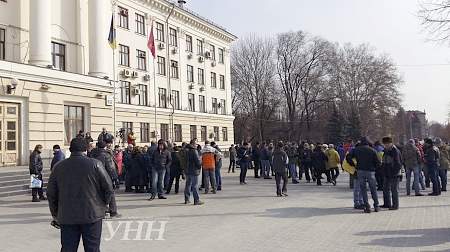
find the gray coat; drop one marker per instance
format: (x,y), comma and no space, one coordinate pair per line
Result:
(279,161)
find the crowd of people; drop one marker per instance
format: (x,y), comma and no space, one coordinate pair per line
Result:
(157,168)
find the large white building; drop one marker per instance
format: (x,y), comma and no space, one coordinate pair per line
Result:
(57,73)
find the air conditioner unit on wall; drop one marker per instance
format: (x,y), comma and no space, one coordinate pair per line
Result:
(147,77)
(162,46)
(174,50)
(201,59)
(136,91)
(213,64)
(202,89)
(207,55)
(189,55)
(191,86)
(126,73)
(134,74)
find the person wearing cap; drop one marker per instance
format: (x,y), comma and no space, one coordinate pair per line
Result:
(411,159)
(160,161)
(58,155)
(367,162)
(444,163)
(79,190)
(391,166)
(432,157)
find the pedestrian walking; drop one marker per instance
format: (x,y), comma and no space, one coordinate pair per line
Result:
(193,167)
(58,155)
(232,151)
(333,164)
(36,167)
(391,166)
(244,157)
(280,162)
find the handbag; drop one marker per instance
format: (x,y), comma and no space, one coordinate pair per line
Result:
(35,182)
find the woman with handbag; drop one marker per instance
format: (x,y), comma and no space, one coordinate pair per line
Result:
(36,167)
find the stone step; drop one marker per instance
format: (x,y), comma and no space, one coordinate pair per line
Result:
(15,193)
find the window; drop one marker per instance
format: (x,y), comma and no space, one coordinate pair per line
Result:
(223,107)
(191,102)
(199,47)
(202,103)
(73,121)
(174,69)
(141,60)
(125,92)
(221,56)
(213,52)
(178,133)
(128,127)
(224,134)
(188,43)
(145,132)
(164,131)
(124,55)
(201,76)
(159,32)
(176,99)
(140,24)
(162,98)
(173,37)
(59,56)
(190,73)
(203,133)
(216,134)
(222,81)
(123,17)
(213,80)
(161,65)
(2,44)
(193,132)
(143,96)
(214,106)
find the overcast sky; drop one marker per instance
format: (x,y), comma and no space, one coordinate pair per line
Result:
(390,26)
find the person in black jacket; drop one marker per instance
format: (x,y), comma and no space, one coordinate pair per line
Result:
(36,168)
(193,167)
(319,163)
(160,161)
(79,189)
(432,157)
(256,157)
(367,163)
(306,161)
(58,155)
(175,170)
(391,167)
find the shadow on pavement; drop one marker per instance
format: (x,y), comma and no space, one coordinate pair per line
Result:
(305,212)
(408,238)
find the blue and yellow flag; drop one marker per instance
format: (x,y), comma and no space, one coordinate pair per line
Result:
(112,35)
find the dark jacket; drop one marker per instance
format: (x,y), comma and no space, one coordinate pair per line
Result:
(306,156)
(392,162)
(107,161)
(431,155)
(279,161)
(105,137)
(193,165)
(78,190)
(366,158)
(265,155)
(35,164)
(175,166)
(160,160)
(411,156)
(319,160)
(57,156)
(244,155)
(256,154)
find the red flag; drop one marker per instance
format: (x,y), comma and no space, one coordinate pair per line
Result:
(151,42)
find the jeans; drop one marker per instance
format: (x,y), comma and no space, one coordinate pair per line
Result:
(91,234)
(218,175)
(390,189)
(243,174)
(443,176)
(209,176)
(166,178)
(421,177)
(157,181)
(365,177)
(265,168)
(416,172)
(232,165)
(433,171)
(334,173)
(278,177)
(293,171)
(191,186)
(307,167)
(357,196)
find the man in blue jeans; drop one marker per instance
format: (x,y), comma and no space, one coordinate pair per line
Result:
(265,163)
(244,157)
(367,162)
(411,159)
(193,167)
(432,162)
(160,160)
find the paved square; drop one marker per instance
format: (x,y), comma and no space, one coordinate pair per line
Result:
(247,218)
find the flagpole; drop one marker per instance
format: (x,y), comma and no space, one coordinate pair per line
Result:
(114,72)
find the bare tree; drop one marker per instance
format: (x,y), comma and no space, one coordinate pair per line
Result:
(435,17)
(252,74)
(301,61)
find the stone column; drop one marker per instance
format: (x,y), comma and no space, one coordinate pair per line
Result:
(40,33)
(100,54)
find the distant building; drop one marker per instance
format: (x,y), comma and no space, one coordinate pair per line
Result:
(417,124)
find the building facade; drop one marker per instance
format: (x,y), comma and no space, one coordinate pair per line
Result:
(59,72)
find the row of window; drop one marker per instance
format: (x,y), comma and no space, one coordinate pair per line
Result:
(178,132)
(173,35)
(141,91)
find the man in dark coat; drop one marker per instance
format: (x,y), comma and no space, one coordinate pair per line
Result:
(36,166)
(160,161)
(256,157)
(193,167)
(175,170)
(391,167)
(280,162)
(319,163)
(58,155)
(432,162)
(244,157)
(306,161)
(79,189)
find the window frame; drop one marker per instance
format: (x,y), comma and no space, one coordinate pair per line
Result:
(128,127)
(222,82)
(174,70)
(200,47)
(164,135)
(161,61)
(143,97)
(124,21)
(176,99)
(145,132)
(160,31)
(215,109)
(125,92)
(2,44)
(162,98)
(213,52)
(124,55)
(141,60)
(140,24)
(58,55)
(201,76)
(213,80)
(193,131)
(223,110)
(202,103)
(173,37)
(68,121)
(221,56)
(203,133)
(190,74)
(191,102)
(178,133)
(189,43)
(216,130)
(225,134)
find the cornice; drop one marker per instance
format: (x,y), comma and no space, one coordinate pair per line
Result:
(192,19)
